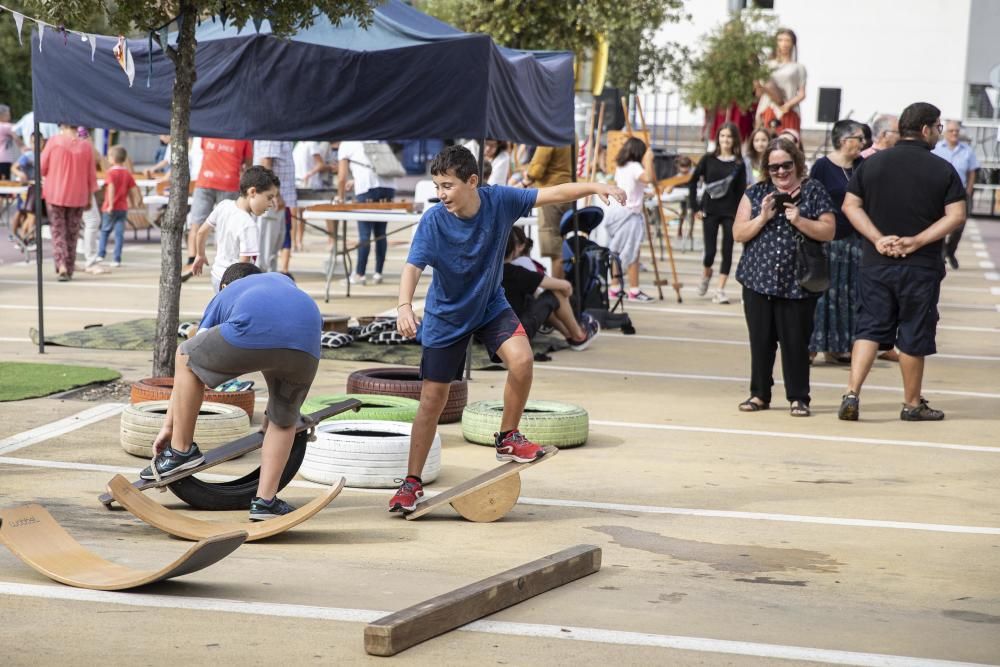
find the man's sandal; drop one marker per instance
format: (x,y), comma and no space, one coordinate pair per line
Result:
(750,405)
(799,409)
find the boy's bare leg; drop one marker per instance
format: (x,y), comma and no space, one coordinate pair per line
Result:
(193,239)
(185,403)
(568,320)
(912,369)
(862,357)
(274,455)
(433,398)
(633,275)
(517,356)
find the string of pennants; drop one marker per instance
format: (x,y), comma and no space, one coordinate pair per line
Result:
(121,51)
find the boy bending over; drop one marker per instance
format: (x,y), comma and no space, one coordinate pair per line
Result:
(464,239)
(257,322)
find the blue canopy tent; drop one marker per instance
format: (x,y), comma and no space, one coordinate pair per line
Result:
(406,76)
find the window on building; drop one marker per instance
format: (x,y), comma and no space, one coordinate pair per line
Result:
(737,5)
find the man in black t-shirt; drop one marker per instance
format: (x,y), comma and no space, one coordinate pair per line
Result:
(902,201)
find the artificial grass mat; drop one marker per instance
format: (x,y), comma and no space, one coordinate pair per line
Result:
(20,380)
(140,334)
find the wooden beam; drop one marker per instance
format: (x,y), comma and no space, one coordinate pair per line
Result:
(397,632)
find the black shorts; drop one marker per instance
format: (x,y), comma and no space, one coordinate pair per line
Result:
(289,373)
(444,364)
(898,307)
(538,311)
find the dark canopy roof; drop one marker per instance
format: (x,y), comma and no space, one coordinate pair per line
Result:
(407,76)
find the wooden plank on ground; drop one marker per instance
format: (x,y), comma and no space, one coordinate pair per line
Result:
(399,631)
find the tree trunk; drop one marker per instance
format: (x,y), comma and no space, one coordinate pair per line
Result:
(172,229)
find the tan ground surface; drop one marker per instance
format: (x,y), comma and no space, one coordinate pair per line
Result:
(793,564)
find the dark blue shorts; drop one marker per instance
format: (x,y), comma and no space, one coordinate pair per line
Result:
(898,307)
(444,364)
(287,243)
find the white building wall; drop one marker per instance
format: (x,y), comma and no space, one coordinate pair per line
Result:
(882,54)
(984,40)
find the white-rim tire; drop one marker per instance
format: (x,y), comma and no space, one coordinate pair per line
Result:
(218,423)
(546,423)
(370,454)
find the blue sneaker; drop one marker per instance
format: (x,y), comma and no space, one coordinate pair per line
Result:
(261,510)
(170,462)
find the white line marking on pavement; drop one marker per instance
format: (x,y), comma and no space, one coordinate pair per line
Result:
(797,436)
(11,339)
(992,275)
(77,309)
(976,329)
(60,427)
(743,343)
(978,245)
(982,254)
(984,264)
(730,378)
(557,502)
(508,628)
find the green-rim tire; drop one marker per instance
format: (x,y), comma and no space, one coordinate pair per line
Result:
(546,423)
(375,407)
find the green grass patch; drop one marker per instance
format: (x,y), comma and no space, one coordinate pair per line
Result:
(19,380)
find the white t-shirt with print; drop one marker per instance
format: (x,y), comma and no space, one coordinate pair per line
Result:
(501,169)
(364,176)
(236,234)
(627,178)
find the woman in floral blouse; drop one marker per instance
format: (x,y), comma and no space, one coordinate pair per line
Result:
(777,309)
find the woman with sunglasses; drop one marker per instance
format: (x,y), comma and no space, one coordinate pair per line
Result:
(833,332)
(769,221)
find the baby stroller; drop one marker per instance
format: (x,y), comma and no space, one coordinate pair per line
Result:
(598,267)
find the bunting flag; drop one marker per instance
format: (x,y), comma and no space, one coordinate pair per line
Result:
(124,57)
(41,34)
(19,21)
(257,21)
(149,61)
(93,46)
(164,36)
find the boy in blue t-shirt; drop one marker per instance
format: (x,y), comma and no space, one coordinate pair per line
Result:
(464,239)
(260,323)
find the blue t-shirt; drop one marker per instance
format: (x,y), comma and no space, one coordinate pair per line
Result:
(266,311)
(467,257)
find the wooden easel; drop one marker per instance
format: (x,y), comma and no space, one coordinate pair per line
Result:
(663,218)
(645,222)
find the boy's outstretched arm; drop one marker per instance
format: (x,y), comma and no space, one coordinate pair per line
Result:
(567,192)
(406,321)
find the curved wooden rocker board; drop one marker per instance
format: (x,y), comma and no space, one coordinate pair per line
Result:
(486,497)
(189,528)
(36,538)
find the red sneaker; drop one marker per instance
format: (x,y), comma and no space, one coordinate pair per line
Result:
(409,494)
(515,447)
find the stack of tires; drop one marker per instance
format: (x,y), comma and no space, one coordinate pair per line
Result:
(158,389)
(373,407)
(218,423)
(405,382)
(546,423)
(369,453)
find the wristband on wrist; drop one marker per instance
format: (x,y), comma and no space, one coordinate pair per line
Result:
(403,304)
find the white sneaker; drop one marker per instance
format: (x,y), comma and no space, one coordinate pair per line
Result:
(720,297)
(115,265)
(377,279)
(355,279)
(703,285)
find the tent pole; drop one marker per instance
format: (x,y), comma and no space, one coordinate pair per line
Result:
(38,233)
(479,162)
(576,239)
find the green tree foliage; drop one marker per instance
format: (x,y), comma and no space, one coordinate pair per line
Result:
(733,59)
(15,73)
(145,16)
(573,25)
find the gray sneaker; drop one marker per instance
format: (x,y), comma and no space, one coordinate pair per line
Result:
(262,510)
(921,413)
(703,286)
(170,462)
(850,407)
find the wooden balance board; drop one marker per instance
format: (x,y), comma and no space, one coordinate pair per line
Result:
(36,538)
(239,447)
(486,497)
(189,528)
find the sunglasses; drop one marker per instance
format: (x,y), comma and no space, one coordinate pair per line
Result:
(774,168)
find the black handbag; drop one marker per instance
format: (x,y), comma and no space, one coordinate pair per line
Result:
(811,267)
